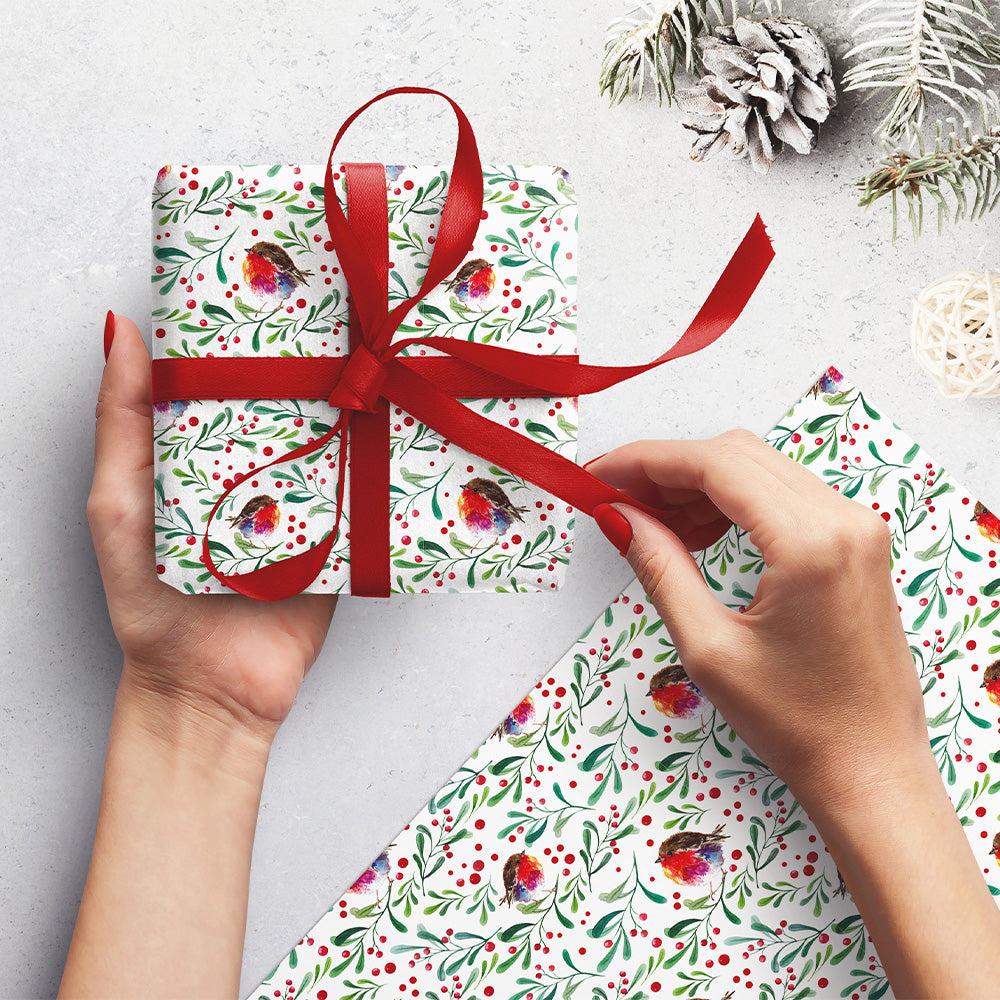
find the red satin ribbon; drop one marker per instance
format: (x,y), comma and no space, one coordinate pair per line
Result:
(363,385)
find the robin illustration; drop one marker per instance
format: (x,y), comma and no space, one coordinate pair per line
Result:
(375,877)
(987,522)
(828,382)
(161,174)
(523,877)
(674,693)
(473,281)
(690,858)
(991,681)
(483,506)
(517,721)
(259,517)
(995,850)
(174,407)
(841,889)
(271,273)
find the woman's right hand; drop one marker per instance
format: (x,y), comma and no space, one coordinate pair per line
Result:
(816,674)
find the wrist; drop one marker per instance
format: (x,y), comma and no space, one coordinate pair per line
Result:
(192,729)
(865,795)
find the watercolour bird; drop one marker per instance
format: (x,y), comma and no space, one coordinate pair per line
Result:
(987,522)
(271,273)
(995,850)
(828,382)
(473,282)
(484,507)
(674,693)
(375,877)
(690,858)
(523,878)
(258,518)
(991,682)
(518,720)
(174,407)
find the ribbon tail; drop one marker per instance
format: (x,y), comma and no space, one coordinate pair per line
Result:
(496,443)
(551,375)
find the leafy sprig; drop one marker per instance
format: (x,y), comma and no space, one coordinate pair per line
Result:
(916,51)
(960,175)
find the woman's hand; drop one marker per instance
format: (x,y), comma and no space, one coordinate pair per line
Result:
(817,677)
(227,655)
(816,674)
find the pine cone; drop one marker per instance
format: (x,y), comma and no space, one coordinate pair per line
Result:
(769,82)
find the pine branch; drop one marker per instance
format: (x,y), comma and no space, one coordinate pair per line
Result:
(656,39)
(959,160)
(920,50)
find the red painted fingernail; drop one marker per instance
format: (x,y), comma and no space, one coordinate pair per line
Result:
(109,333)
(591,462)
(616,528)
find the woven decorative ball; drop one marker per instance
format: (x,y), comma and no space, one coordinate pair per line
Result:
(956,333)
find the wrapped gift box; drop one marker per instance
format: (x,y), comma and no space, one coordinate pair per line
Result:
(243,266)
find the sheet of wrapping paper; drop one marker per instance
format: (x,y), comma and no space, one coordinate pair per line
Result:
(205,220)
(534,873)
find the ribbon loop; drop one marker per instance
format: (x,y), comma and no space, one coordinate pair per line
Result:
(360,383)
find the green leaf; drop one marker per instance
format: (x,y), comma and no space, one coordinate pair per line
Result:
(676,930)
(538,430)
(916,584)
(170,253)
(508,934)
(431,548)
(594,757)
(211,309)
(602,925)
(816,425)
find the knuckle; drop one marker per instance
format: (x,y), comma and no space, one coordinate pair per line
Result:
(737,439)
(872,534)
(106,508)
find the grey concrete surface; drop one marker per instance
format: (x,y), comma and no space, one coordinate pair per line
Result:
(98,95)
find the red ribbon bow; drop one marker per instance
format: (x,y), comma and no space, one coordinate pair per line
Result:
(362,385)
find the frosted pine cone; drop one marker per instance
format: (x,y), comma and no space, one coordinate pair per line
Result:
(769,82)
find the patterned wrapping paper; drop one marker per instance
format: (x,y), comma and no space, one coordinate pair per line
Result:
(535,872)
(205,219)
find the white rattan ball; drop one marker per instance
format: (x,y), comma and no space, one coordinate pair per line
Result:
(956,333)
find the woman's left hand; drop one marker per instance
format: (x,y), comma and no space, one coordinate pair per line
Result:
(225,654)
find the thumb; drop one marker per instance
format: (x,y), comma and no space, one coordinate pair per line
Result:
(123,444)
(674,583)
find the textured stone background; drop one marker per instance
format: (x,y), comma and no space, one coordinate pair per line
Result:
(99,95)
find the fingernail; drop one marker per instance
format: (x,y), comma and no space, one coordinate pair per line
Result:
(616,528)
(591,462)
(109,333)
